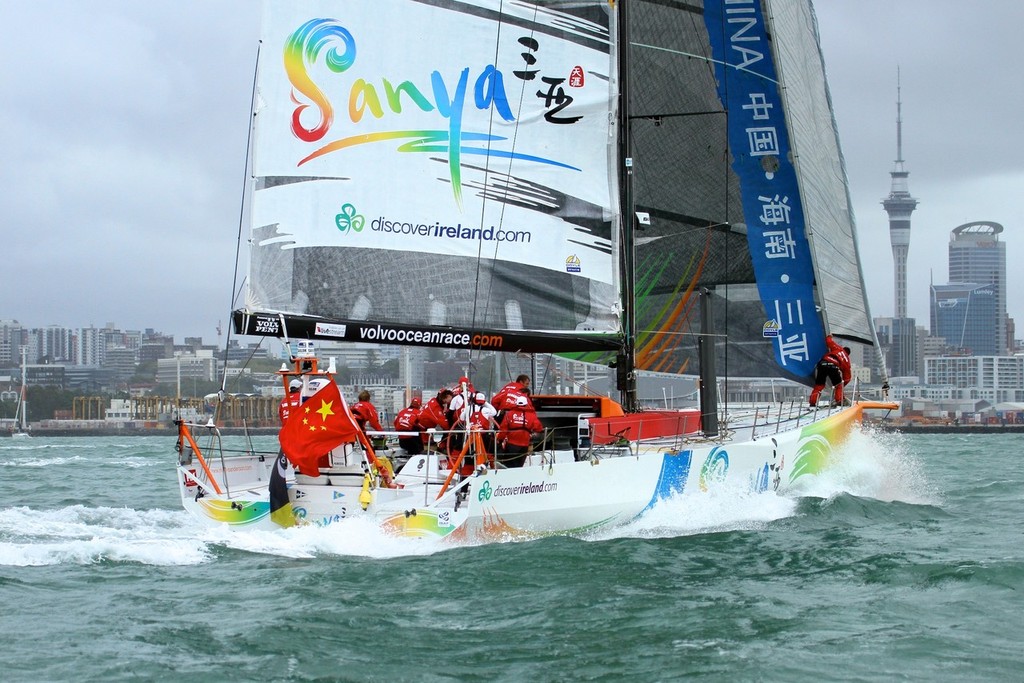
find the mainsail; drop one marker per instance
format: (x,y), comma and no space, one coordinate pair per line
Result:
(464,190)
(448,191)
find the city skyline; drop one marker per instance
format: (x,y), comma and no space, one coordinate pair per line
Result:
(124,150)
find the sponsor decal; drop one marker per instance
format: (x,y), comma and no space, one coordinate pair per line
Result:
(330,330)
(762,159)
(379,333)
(572,264)
(348,219)
(487,492)
(437,230)
(269,326)
(476,86)
(771,329)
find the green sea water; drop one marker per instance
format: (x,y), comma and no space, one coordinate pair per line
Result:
(905,564)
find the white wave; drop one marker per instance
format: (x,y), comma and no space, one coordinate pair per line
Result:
(143,551)
(37,444)
(136,463)
(723,509)
(355,537)
(41,462)
(83,535)
(875,465)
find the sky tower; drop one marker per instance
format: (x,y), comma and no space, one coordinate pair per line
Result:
(899,205)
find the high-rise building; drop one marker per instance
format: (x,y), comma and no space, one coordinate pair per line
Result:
(964,313)
(91,346)
(900,343)
(977,256)
(57,344)
(12,338)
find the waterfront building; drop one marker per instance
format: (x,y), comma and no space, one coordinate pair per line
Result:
(993,378)
(202,366)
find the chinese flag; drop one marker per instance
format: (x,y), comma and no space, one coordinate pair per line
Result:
(322,422)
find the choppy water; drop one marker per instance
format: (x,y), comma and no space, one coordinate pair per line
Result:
(906,565)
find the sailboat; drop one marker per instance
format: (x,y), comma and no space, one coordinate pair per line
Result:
(21,411)
(655,186)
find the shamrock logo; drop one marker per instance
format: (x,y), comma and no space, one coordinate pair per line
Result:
(485,492)
(348,218)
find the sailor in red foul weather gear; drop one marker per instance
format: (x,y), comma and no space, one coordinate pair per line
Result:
(520,387)
(518,424)
(292,400)
(833,367)
(407,420)
(366,414)
(432,415)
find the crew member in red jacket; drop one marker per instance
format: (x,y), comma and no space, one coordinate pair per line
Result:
(833,367)
(366,414)
(407,420)
(520,387)
(518,424)
(292,400)
(432,416)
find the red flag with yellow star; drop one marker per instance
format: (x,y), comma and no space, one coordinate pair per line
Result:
(322,422)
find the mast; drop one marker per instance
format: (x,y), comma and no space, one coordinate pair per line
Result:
(22,404)
(708,372)
(625,362)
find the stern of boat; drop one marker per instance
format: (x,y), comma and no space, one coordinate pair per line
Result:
(219,486)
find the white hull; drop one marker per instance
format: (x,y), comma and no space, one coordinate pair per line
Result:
(554,493)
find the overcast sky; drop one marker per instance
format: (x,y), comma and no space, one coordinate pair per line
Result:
(123,132)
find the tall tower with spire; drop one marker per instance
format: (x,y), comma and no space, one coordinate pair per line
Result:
(899,205)
(902,337)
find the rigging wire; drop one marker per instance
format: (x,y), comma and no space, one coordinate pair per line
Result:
(241,217)
(484,191)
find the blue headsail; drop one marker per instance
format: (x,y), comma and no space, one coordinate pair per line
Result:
(762,159)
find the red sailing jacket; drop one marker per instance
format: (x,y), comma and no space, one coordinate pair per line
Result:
(432,416)
(837,355)
(509,391)
(292,400)
(407,420)
(366,415)
(517,426)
